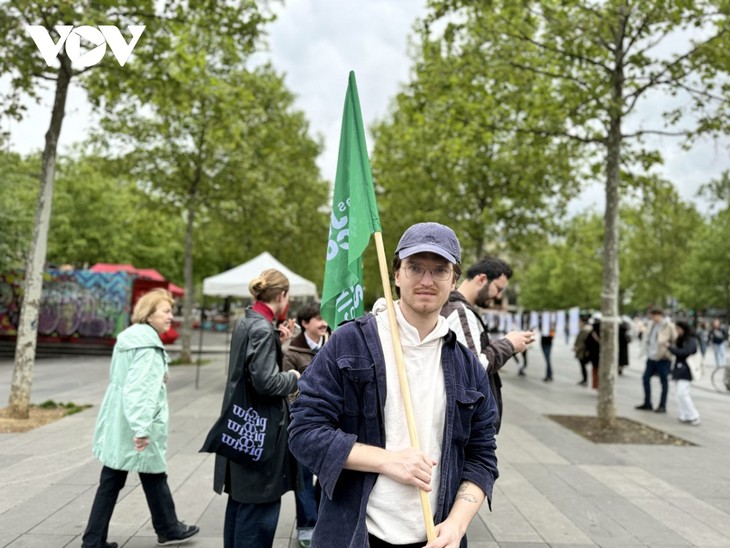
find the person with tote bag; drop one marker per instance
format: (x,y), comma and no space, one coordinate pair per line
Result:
(255,485)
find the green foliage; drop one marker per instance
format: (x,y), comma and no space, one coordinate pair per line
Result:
(706,283)
(718,190)
(600,67)
(655,231)
(704,279)
(181,361)
(100,215)
(70,407)
(565,271)
(235,157)
(451,151)
(18,195)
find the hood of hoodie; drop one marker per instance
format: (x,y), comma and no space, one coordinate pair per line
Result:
(139,335)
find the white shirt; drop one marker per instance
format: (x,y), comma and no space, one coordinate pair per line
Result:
(311,344)
(394,511)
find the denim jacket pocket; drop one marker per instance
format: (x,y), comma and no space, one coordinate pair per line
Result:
(358,388)
(467,401)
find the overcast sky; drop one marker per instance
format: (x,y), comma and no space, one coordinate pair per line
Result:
(315,43)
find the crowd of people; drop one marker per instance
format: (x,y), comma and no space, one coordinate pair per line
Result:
(327,417)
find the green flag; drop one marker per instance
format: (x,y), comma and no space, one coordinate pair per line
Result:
(354,218)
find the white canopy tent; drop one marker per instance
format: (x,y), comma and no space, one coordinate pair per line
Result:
(234,282)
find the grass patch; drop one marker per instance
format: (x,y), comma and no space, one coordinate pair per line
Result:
(179,361)
(38,415)
(70,407)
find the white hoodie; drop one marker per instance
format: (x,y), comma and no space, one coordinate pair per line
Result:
(394,510)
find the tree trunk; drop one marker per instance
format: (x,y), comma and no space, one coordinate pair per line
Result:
(608,357)
(187,332)
(25,347)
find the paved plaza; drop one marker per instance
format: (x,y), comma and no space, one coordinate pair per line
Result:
(555,488)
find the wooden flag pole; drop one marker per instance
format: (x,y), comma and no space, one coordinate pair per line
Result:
(400,364)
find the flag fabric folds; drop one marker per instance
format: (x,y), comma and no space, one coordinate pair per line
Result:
(354,218)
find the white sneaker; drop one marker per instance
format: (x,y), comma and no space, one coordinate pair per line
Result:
(694,422)
(304,536)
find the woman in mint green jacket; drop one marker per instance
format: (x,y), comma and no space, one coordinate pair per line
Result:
(131,429)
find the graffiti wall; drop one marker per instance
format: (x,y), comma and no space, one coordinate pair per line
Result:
(75,304)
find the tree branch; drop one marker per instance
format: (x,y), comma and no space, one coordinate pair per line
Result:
(559,51)
(559,76)
(640,30)
(643,132)
(44,76)
(694,91)
(655,79)
(553,133)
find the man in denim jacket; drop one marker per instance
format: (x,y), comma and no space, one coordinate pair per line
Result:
(349,427)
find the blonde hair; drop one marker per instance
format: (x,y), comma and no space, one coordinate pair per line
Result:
(267,285)
(148,304)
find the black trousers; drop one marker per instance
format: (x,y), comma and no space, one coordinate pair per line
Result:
(159,501)
(584,372)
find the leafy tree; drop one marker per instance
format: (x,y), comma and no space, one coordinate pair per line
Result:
(100,215)
(450,152)
(18,192)
(565,271)
(276,201)
(607,60)
(653,234)
(225,147)
(704,280)
(25,67)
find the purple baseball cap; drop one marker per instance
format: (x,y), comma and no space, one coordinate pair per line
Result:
(430,238)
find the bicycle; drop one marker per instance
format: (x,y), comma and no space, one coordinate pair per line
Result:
(718,379)
(697,366)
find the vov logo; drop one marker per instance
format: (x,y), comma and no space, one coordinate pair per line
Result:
(71,37)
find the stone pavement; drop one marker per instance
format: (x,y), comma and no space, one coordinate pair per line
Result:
(555,488)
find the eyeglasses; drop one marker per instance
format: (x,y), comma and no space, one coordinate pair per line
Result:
(417,270)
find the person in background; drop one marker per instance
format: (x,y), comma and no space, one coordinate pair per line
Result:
(580,350)
(298,356)
(254,494)
(718,337)
(546,343)
(593,348)
(132,426)
(485,281)
(521,370)
(701,333)
(659,338)
(640,327)
(685,346)
(349,424)
(624,338)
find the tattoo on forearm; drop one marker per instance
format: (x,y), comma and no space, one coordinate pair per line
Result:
(466,497)
(463,495)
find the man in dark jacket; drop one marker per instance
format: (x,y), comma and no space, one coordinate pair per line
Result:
(485,281)
(298,356)
(349,425)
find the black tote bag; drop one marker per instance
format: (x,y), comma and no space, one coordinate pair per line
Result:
(246,432)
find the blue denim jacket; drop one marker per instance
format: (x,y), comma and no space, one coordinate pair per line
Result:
(341,401)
